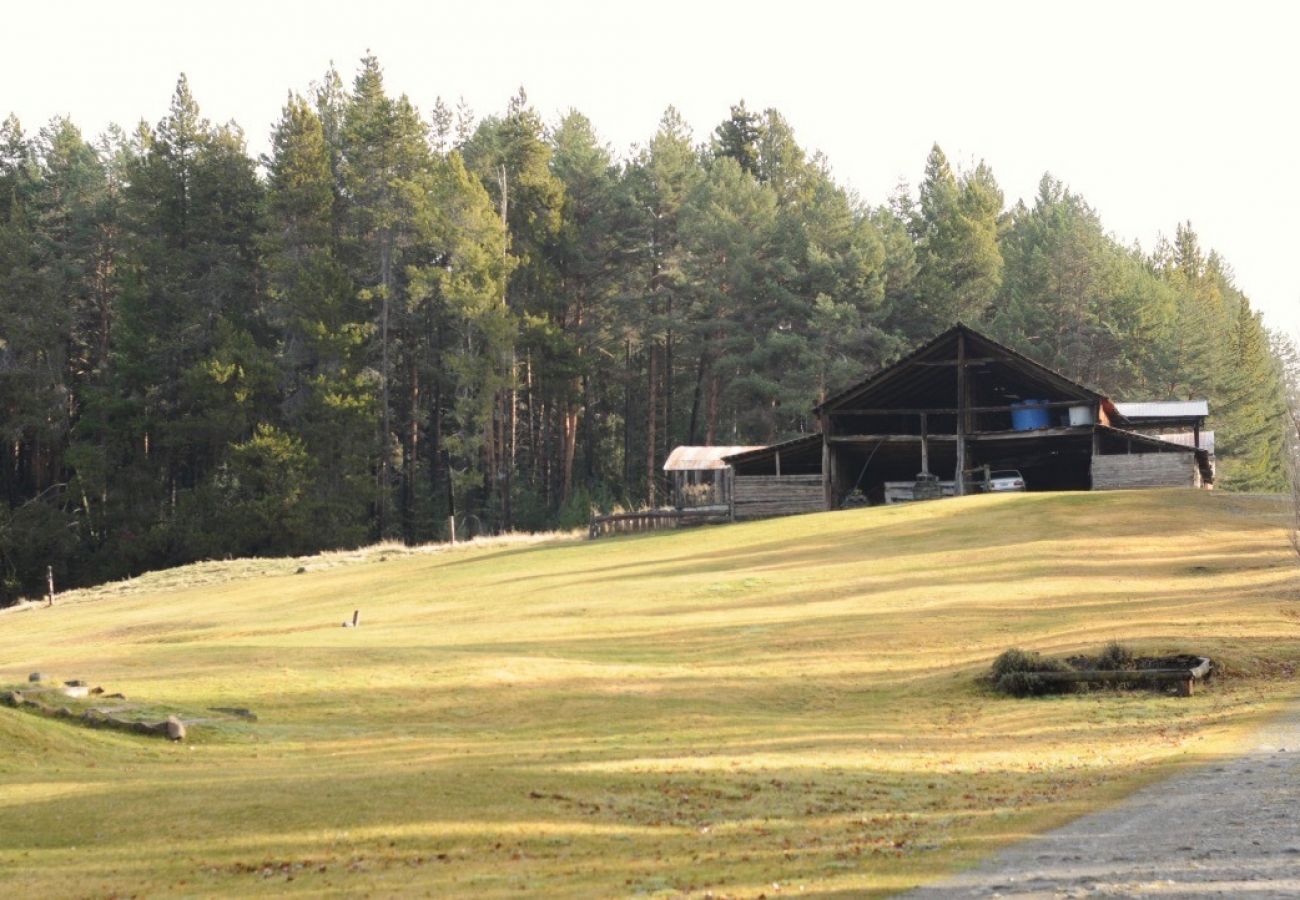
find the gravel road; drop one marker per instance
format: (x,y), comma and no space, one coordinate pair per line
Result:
(1150,845)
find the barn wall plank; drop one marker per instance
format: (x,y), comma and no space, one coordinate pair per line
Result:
(763,496)
(1141,470)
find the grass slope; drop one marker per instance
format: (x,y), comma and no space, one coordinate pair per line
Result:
(778,707)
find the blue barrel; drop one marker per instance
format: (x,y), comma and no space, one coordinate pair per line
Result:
(1030,414)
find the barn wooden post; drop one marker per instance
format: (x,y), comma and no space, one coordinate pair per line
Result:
(777,456)
(731,493)
(826,458)
(959,479)
(925,444)
(835,481)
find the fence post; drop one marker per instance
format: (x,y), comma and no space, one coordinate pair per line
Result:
(49,583)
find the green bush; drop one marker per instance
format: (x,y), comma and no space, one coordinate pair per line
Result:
(1017,660)
(1115,656)
(1015,672)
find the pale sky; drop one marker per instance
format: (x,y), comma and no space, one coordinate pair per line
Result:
(1157,112)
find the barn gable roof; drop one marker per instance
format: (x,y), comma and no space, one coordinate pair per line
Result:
(884,384)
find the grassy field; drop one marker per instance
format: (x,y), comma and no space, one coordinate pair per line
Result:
(782,708)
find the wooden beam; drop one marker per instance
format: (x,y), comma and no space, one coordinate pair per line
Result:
(1112,676)
(835,481)
(917,411)
(970,361)
(888,438)
(1059,431)
(827,437)
(925,445)
(963,400)
(730,482)
(951,410)
(931,437)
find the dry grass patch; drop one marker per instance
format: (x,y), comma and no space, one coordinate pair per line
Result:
(793,702)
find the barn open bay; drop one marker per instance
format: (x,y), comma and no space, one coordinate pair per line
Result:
(793,702)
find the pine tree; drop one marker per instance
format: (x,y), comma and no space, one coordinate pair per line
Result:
(729,227)
(586,255)
(329,403)
(459,295)
(511,156)
(656,185)
(1252,410)
(384,157)
(190,373)
(738,138)
(956,231)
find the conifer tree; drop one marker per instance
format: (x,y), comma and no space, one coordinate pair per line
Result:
(956,232)
(384,157)
(512,158)
(657,185)
(738,138)
(329,401)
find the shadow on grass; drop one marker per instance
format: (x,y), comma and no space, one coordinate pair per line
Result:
(578,830)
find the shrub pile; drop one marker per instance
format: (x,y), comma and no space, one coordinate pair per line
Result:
(1016,671)
(1019,672)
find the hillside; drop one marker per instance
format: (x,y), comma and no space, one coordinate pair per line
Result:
(772,707)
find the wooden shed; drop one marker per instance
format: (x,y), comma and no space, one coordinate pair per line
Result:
(779,480)
(701,476)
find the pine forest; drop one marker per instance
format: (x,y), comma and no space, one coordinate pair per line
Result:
(397,315)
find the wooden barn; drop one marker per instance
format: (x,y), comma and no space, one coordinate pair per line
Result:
(963,403)
(931,423)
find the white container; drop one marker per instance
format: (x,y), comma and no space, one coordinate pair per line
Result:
(1080,415)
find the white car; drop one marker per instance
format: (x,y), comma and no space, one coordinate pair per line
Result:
(1000,480)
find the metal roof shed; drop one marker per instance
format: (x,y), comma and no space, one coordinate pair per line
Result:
(702,459)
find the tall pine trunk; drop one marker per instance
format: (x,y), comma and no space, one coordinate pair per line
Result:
(411,456)
(588,434)
(568,450)
(628,380)
(571,413)
(652,409)
(714,390)
(385,452)
(668,381)
(700,371)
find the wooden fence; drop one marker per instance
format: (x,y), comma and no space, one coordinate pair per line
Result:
(655,520)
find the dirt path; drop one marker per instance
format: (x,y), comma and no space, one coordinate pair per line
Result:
(1151,845)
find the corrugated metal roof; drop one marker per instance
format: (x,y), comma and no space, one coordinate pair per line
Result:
(1163,409)
(793,443)
(1187,439)
(694,459)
